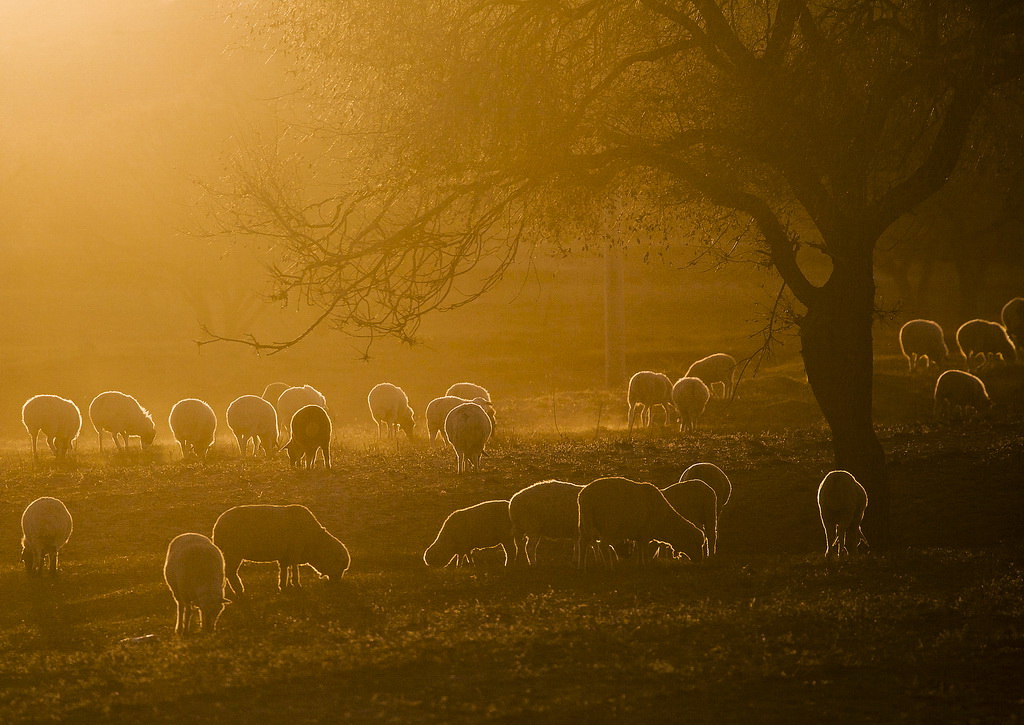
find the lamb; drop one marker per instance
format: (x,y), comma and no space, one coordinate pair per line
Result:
(1013,320)
(46,526)
(194,425)
(389,406)
(273,391)
(923,340)
(57,418)
(311,432)
(957,391)
(696,502)
(194,572)
(469,391)
(121,415)
(713,476)
(481,526)
(618,509)
(647,389)
(981,337)
(547,509)
(717,368)
(690,396)
(841,503)
(467,428)
(289,535)
(439,408)
(252,418)
(289,402)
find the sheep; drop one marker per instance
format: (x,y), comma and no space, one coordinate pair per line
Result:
(696,502)
(389,406)
(58,419)
(957,391)
(289,535)
(713,476)
(439,408)
(311,432)
(251,417)
(547,509)
(481,526)
(194,572)
(1013,320)
(981,337)
(923,340)
(618,509)
(289,402)
(689,396)
(46,526)
(841,503)
(273,391)
(647,389)
(469,391)
(194,425)
(467,428)
(121,415)
(717,368)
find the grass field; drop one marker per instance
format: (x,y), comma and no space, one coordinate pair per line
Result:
(765,631)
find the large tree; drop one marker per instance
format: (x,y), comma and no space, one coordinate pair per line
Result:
(429,139)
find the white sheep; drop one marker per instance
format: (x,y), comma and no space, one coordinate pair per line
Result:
(57,418)
(923,340)
(467,428)
(389,406)
(1013,320)
(713,476)
(841,503)
(273,391)
(612,510)
(545,510)
(289,402)
(194,425)
(469,391)
(439,408)
(647,390)
(252,418)
(481,526)
(690,396)
(289,535)
(696,502)
(715,369)
(311,432)
(984,338)
(194,572)
(956,392)
(45,526)
(121,415)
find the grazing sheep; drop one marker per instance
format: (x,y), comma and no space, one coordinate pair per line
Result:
(547,509)
(988,339)
(273,391)
(439,408)
(956,392)
(46,526)
(618,509)
(289,535)
(1013,320)
(58,419)
(194,571)
(696,502)
(389,406)
(121,415)
(251,418)
(717,368)
(468,391)
(194,425)
(464,531)
(467,428)
(690,396)
(841,502)
(923,340)
(647,389)
(311,432)
(713,476)
(289,402)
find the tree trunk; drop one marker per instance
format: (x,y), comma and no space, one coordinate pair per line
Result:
(614,318)
(837,351)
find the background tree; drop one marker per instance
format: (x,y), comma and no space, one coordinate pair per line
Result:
(431,140)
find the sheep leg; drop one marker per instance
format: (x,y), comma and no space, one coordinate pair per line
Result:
(53,562)
(327,456)
(632,417)
(35,441)
(179,619)
(231,569)
(531,549)
(52,445)
(117,443)
(296,579)
(282,575)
